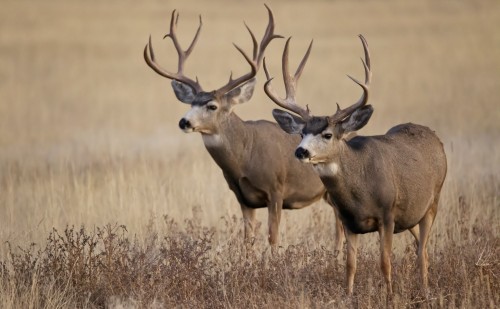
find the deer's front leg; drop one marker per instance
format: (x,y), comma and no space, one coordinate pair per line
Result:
(386,232)
(339,227)
(274,207)
(352,250)
(249,221)
(339,232)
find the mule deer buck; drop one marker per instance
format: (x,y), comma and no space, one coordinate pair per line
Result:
(387,183)
(255,156)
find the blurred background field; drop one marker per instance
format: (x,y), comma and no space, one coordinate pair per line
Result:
(89,135)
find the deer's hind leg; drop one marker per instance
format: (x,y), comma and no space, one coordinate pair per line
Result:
(416,234)
(425,226)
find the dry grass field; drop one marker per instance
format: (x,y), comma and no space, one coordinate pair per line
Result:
(104,202)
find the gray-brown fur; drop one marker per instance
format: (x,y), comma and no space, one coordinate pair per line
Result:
(256,157)
(315,125)
(386,184)
(247,145)
(404,170)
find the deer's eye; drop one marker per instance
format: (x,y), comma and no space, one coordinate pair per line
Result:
(327,136)
(212,107)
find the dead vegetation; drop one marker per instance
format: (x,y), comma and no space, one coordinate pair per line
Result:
(107,267)
(98,203)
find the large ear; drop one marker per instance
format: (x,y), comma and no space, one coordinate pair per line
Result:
(241,94)
(289,123)
(358,119)
(183,92)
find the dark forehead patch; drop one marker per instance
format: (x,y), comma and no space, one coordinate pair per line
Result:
(315,125)
(203,98)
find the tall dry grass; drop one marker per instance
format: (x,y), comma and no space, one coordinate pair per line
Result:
(127,211)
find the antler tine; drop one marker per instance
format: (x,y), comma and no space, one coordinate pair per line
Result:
(254,41)
(343,113)
(258,55)
(298,73)
(289,102)
(268,35)
(183,55)
(193,43)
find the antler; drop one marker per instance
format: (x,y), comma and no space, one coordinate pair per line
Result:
(183,55)
(343,113)
(289,102)
(258,54)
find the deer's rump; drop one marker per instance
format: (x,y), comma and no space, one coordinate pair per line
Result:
(419,167)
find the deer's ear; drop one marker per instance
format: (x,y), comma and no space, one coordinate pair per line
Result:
(358,119)
(289,123)
(183,92)
(241,94)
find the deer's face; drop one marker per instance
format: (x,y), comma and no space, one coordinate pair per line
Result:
(322,139)
(319,141)
(202,117)
(208,111)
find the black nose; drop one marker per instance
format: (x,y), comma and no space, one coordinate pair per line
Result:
(184,124)
(301,153)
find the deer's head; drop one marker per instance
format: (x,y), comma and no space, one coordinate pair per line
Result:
(322,137)
(209,109)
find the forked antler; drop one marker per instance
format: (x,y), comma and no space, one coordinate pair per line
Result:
(341,114)
(258,54)
(183,55)
(289,102)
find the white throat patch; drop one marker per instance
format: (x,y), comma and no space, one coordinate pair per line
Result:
(212,140)
(327,169)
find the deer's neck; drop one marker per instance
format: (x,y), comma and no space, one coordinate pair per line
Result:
(230,144)
(343,171)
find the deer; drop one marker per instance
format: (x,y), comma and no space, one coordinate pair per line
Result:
(386,183)
(255,156)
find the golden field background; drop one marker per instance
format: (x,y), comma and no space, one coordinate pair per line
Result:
(89,135)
